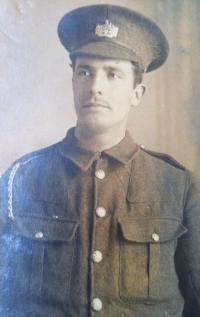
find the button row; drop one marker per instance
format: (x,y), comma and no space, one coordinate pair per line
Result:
(97,256)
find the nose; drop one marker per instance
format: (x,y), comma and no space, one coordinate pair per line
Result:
(96,85)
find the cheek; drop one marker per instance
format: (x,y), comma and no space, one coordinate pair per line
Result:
(80,88)
(124,95)
(78,92)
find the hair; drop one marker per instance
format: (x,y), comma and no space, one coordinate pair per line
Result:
(137,71)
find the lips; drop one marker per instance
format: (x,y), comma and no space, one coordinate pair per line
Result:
(95,105)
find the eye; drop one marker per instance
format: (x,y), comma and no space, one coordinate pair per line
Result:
(113,75)
(83,73)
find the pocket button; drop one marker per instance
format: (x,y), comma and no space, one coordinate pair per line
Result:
(39,235)
(155,237)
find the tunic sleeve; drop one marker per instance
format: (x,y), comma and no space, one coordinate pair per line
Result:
(188,249)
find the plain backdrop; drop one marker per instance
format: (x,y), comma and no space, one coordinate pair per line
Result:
(35,80)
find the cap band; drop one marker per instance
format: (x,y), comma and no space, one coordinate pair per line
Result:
(108,42)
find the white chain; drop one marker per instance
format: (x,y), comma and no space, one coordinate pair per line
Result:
(10,184)
(10,187)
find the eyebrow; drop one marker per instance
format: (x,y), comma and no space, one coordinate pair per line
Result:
(86,66)
(108,68)
(114,69)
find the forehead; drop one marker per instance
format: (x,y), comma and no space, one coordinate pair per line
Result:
(98,62)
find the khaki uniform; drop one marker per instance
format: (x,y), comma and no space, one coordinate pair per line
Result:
(106,234)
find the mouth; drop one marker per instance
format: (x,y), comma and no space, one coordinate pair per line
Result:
(95,105)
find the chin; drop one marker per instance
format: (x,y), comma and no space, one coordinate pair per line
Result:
(97,127)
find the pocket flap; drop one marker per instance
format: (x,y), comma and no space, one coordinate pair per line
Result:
(44,228)
(151,229)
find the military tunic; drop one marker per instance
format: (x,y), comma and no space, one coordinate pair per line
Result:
(107,234)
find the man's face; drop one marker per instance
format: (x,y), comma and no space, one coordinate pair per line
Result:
(103,92)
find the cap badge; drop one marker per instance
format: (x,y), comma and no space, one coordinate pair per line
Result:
(107,30)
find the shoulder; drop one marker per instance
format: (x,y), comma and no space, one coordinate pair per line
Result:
(162,158)
(37,156)
(30,166)
(24,177)
(157,177)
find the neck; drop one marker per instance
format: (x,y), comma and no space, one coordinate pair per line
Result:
(98,141)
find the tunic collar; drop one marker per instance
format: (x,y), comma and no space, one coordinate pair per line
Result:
(71,148)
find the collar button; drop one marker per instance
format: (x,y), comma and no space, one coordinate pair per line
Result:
(100,174)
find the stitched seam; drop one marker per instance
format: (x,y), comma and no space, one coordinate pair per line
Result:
(120,181)
(128,172)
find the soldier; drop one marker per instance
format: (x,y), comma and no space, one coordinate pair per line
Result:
(95,225)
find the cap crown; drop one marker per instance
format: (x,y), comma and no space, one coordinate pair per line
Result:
(114,32)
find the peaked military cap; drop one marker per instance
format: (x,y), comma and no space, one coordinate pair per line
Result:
(114,32)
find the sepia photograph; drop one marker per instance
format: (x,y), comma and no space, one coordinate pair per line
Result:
(99,164)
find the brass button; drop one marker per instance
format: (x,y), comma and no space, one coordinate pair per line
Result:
(39,235)
(155,237)
(100,174)
(97,256)
(100,212)
(96,304)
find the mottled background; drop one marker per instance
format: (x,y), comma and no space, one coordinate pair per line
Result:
(35,80)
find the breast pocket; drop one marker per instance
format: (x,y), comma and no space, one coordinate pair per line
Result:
(42,255)
(147,247)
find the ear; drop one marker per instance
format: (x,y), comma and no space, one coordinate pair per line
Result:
(138,93)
